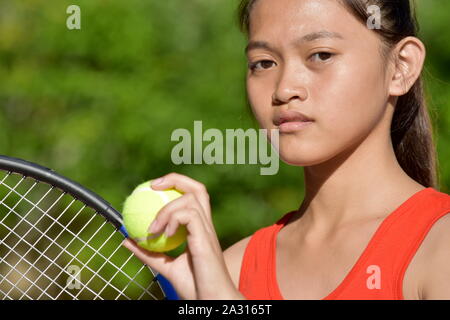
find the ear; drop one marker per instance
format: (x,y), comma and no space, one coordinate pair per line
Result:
(409,56)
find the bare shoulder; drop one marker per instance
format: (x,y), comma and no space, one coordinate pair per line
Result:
(233,258)
(436,256)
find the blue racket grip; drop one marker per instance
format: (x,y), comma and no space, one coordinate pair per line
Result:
(166,286)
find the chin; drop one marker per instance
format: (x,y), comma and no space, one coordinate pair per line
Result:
(299,159)
(304,154)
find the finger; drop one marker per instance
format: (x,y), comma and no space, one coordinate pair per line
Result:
(199,236)
(185,184)
(155,260)
(183,217)
(187,200)
(188,217)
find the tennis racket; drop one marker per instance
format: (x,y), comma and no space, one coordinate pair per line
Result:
(59,240)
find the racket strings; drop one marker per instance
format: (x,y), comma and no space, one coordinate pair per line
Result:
(24,276)
(41,253)
(38,247)
(96,274)
(11,249)
(44,291)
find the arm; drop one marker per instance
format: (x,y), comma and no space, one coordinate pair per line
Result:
(233,259)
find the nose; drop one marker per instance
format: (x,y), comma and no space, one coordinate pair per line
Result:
(290,86)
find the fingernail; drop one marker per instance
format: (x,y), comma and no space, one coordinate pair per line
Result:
(153,226)
(125,243)
(157,181)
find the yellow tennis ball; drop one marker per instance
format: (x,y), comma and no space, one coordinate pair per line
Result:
(139,211)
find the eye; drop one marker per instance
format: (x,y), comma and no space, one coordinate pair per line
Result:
(322,56)
(261,64)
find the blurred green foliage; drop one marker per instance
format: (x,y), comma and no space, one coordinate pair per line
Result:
(99,104)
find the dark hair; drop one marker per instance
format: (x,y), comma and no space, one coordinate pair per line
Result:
(411,127)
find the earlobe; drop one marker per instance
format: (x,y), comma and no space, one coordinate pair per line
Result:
(409,59)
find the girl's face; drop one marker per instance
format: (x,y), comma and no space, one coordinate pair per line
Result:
(316,58)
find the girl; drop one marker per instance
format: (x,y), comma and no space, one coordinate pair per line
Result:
(348,102)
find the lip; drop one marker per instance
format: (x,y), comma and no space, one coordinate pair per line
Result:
(290,116)
(293,126)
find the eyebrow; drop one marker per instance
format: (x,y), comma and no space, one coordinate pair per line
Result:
(306,38)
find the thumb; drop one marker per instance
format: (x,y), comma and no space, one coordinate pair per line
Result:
(155,260)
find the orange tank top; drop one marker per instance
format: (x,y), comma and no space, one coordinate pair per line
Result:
(378,272)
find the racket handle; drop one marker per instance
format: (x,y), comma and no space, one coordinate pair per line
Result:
(167,287)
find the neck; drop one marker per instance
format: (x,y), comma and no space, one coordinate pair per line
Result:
(363,182)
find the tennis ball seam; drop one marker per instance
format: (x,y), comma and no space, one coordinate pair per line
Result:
(161,194)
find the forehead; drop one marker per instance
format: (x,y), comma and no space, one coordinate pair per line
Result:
(285,19)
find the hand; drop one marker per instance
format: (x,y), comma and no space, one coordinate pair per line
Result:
(200,272)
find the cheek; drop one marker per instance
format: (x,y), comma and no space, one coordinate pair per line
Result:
(347,105)
(351,99)
(259,96)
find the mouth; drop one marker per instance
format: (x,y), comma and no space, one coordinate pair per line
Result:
(293,126)
(291,116)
